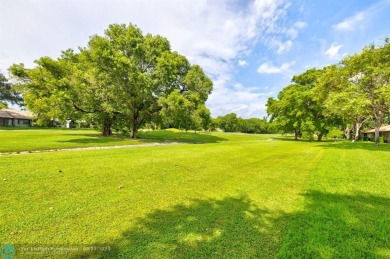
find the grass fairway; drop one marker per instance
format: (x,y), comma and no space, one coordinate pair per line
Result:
(224,196)
(33,139)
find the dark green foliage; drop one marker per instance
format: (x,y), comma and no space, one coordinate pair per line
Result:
(232,123)
(123,79)
(345,96)
(8,93)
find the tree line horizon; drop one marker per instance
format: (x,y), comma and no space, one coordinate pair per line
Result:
(125,80)
(345,95)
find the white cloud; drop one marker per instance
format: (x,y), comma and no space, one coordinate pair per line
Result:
(351,23)
(283,41)
(268,68)
(280,46)
(300,24)
(284,46)
(293,33)
(333,51)
(363,19)
(244,101)
(211,33)
(242,63)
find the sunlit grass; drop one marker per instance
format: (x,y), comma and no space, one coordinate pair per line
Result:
(30,139)
(222,196)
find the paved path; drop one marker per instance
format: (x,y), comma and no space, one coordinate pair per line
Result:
(90,148)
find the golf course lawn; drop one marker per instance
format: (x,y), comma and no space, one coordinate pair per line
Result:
(219,195)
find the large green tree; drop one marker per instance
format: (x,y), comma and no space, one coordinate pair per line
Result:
(286,111)
(229,122)
(46,89)
(119,78)
(369,76)
(342,99)
(297,109)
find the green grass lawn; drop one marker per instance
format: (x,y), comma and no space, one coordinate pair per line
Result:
(32,139)
(223,196)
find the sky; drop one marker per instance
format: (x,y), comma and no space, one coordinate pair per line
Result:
(249,48)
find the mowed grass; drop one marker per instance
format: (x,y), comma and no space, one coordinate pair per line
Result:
(31,139)
(35,139)
(224,196)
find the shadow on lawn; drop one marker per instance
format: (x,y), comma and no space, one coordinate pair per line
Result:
(369,146)
(291,138)
(93,140)
(230,228)
(179,136)
(339,226)
(331,225)
(147,137)
(340,144)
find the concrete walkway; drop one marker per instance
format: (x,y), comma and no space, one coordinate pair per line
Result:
(90,148)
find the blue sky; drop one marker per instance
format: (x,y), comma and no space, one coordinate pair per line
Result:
(249,48)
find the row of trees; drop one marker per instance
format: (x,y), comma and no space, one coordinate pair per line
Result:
(344,95)
(120,80)
(232,123)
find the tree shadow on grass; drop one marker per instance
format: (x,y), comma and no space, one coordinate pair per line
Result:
(339,144)
(339,226)
(148,137)
(330,226)
(93,140)
(369,146)
(291,139)
(179,136)
(230,228)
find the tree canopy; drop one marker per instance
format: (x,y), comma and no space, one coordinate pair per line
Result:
(233,123)
(344,95)
(8,93)
(122,79)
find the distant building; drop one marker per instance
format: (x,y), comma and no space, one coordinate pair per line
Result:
(383,132)
(14,118)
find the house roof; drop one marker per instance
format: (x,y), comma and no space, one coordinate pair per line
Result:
(14,114)
(381,129)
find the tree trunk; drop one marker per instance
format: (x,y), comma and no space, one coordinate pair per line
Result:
(106,127)
(347,133)
(296,134)
(133,132)
(134,126)
(358,125)
(378,124)
(319,138)
(135,123)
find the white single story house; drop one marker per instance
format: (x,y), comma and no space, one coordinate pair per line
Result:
(14,118)
(383,132)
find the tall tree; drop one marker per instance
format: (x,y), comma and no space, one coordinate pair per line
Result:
(369,73)
(138,70)
(46,89)
(8,93)
(342,99)
(297,108)
(229,122)
(287,111)
(118,79)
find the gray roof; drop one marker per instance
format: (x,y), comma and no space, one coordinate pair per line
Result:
(14,114)
(381,129)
